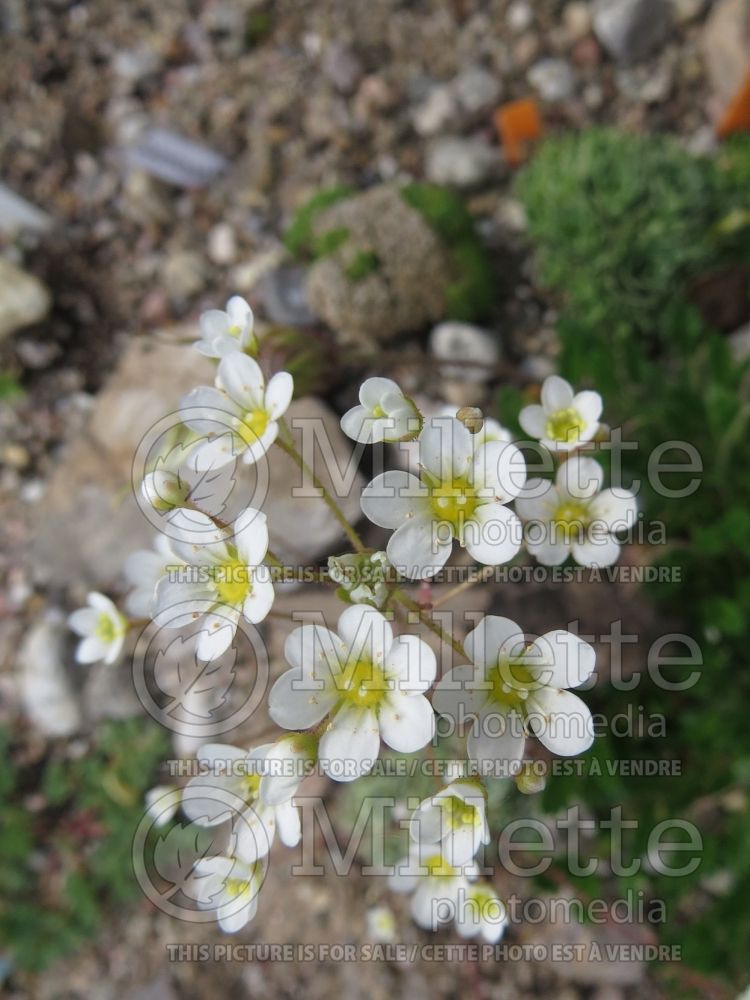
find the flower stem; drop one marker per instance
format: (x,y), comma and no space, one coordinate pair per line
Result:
(428,621)
(285,442)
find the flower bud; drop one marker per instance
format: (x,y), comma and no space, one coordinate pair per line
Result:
(532,778)
(472,418)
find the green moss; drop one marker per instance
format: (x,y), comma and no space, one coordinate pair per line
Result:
(365,262)
(472,292)
(10,387)
(300,238)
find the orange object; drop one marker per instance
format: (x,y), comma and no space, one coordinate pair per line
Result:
(519,125)
(737,116)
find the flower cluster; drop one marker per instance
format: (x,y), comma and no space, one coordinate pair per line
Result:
(371,679)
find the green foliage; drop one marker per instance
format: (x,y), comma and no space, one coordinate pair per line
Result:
(62,864)
(365,262)
(620,225)
(10,388)
(472,292)
(300,238)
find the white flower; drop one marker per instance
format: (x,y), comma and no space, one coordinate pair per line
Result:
(222,577)
(481,913)
(461,494)
(369,683)
(231,789)
(102,629)
(564,421)
(436,885)
(143,569)
(453,821)
(286,763)
(162,802)
(226,332)
(492,430)
(381,924)
(230,888)
(384,414)
(240,415)
(512,687)
(575,516)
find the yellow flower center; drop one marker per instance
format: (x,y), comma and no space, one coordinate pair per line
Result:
(454,503)
(571,517)
(438,867)
(252,426)
(106,629)
(510,682)
(565,425)
(379,412)
(250,785)
(236,886)
(458,812)
(232,582)
(363,684)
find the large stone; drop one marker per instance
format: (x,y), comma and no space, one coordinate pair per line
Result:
(631,29)
(46,690)
(387,275)
(726,47)
(24,300)
(90,520)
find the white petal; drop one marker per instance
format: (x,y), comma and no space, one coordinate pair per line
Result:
(233,916)
(392,498)
(214,323)
(310,646)
(415,550)
(217,633)
(493,535)
(533,420)
(445,448)
(373,390)
(616,510)
(255,831)
(496,741)
(208,411)
(350,746)
(259,601)
(251,536)
(288,823)
(455,695)
(549,552)
(407,722)
(279,394)
(561,721)
(195,538)
(239,311)
(580,477)
(91,650)
(295,702)
(242,380)
(258,447)
(494,637)
(560,659)
(357,424)
(499,469)
(538,501)
(218,451)
(84,621)
(600,551)
(412,662)
(209,800)
(557,394)
(288,761)
(366,632)
(589,405)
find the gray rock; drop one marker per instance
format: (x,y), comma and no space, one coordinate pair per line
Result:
(631,29)
(283,292)
(553,79)
(437,112)
(462,163)
(23,298)
(477,90)
(46,690)
(18,214)
(520,16)
(388,276)
(173,158)
(342,67)
(478,349)
(184,274)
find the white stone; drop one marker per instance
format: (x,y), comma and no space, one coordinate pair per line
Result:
(222,244)
(23,298)
(520,16)
(553,79)
(452,341)
(437,112)
(46,691)
(461,162)
(477,90)
(631,29)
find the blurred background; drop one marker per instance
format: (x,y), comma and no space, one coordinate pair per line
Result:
(465,196)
